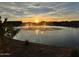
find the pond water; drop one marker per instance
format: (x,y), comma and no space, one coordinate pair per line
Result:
(50,35)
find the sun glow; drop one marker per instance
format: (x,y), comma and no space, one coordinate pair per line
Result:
(36,21)
(40,18)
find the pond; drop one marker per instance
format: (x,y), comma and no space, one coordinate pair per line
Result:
(50,35)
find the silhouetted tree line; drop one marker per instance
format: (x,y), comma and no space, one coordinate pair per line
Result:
(14,23)
(39,23)
(64,23)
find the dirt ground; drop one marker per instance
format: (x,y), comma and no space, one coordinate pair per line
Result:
(15,48)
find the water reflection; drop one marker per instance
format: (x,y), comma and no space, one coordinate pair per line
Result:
(37,32)
(54,35)
(39,29)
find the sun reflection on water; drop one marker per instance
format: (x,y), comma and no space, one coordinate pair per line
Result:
(39,32)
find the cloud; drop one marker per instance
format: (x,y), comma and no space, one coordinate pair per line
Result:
(22,9)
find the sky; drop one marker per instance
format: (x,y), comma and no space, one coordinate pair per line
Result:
(54,11)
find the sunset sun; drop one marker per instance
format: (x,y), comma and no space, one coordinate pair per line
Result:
(36,21)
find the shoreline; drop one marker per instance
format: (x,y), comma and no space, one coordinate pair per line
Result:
(17,48)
